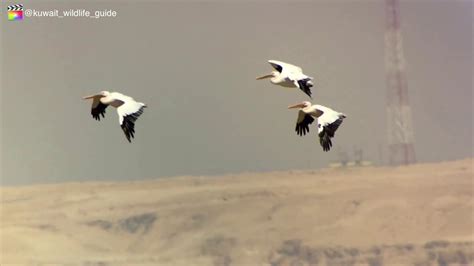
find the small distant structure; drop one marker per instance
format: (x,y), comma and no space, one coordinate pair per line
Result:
(358,155)
(343,157)
(344,161)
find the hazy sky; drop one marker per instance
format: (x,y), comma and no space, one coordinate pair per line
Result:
(194,65)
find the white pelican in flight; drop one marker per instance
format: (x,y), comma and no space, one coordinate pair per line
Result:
(328,121)
(127,108)
(288,75)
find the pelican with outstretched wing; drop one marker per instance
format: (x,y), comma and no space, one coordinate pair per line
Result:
(328,121)
(127,108)
(288,75)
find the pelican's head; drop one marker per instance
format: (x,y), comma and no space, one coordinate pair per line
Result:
(271,75)
(104,93)
(300,105)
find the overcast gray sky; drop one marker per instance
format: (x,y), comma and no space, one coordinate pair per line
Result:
(195,64)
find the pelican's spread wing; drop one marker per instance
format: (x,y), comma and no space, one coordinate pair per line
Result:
(304,85)
(98,108)
(276,65)
(284,67)
(128,114)
(303,122)
(327,127)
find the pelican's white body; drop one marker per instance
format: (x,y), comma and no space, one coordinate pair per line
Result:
(328,116)
(128,109)
(125,104)
(115,99)
(328,121)
(289,75)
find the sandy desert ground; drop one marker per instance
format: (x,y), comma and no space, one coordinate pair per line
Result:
(415,215)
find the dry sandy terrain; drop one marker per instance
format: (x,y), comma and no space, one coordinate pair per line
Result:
(416,215)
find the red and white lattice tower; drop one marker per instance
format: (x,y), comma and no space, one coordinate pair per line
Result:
(399,121)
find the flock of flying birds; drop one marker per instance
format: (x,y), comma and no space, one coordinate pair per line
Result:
(286,75)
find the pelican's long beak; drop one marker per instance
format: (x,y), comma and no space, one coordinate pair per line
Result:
(265,77)
(300,105)
(89,97)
